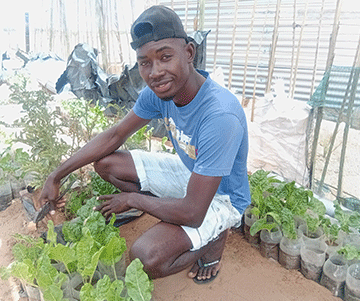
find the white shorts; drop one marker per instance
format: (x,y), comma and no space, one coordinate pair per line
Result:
(164,175)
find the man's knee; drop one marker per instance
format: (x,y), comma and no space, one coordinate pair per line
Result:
(116,162)
(153,265)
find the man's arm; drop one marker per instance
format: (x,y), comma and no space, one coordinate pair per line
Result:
(101,146)
(188,211)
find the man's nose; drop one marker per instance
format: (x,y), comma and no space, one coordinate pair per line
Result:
(156,70)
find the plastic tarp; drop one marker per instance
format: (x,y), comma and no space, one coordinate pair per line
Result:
(278,136)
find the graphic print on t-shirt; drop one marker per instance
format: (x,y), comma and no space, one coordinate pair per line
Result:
(180,137)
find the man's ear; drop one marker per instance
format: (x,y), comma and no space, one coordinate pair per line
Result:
(191,51)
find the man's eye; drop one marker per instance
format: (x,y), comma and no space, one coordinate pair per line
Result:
(144,63)
(166,57)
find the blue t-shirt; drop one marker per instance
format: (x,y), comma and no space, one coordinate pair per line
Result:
(209,134)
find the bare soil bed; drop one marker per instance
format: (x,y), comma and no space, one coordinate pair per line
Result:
(245,275)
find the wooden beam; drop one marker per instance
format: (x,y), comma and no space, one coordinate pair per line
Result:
(348,119)
(216,34)
(231,64)
(248,50)
(292,91)
(273,47)
(319,110)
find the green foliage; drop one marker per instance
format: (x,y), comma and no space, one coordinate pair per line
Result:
(11,164)
(138,284)
(84,120)
(350,252)
(104,290)
(140,139)
(331,230)
(41,127)
(261,181)
(96,187)
(164,148)
(101,187)
(347,219)
(276,202)
(90,240)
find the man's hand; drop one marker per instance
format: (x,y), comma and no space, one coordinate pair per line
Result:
(115,203)
(50,193)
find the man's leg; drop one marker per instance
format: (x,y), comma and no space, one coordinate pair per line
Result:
(165,250)
(119,169)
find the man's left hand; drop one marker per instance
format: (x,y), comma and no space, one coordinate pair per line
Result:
(115,203)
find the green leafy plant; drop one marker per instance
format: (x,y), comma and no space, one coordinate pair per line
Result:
(84,119)
(331,230)
(90,241)
(101,187)
(347,219)
(277,202)
(141,139)
(350,252)
(11,164)
(164,148)
(96,187)
(41,127)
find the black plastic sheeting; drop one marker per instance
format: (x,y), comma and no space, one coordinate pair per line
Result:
(87,80)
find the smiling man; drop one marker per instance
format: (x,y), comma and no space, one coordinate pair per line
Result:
(197,194)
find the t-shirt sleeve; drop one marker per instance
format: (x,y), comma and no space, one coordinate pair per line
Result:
(219,141)
(147,106)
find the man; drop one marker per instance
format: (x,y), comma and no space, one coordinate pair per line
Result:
(197,194)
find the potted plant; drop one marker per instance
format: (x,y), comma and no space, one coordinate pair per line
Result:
(261,188)
(334,274)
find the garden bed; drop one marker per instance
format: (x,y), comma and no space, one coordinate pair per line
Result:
(243,269)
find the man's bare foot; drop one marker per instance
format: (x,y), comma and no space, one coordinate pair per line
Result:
(208,266)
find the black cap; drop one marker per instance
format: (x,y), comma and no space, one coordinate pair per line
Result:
(156,23)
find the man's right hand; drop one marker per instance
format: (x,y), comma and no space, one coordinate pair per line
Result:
(50,193)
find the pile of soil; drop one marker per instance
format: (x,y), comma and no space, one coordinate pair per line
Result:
(245,275)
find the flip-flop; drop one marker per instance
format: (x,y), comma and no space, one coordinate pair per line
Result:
(205,265)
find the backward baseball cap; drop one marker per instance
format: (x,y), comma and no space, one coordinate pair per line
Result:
(156,23)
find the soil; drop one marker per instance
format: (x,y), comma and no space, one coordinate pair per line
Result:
(243,268)
(269,250)
(310,271)
(254,240)
(350,295)
(289,262)
(336,287)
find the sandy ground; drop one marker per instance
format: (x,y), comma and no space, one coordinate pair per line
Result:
(245,274)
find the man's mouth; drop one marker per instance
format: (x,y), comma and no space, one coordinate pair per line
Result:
(161,88)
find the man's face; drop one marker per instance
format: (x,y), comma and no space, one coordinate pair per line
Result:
(164,66)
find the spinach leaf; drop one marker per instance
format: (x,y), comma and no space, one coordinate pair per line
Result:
(138,284)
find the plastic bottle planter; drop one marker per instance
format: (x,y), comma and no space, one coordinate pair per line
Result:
(334,274)
(32,293)
(312,259)
(269,243)
(335,246)
(289,253)
(352,239)
(352,287)
(249,220)
(308,236)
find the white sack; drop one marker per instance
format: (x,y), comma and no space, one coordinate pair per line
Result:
(277,136)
